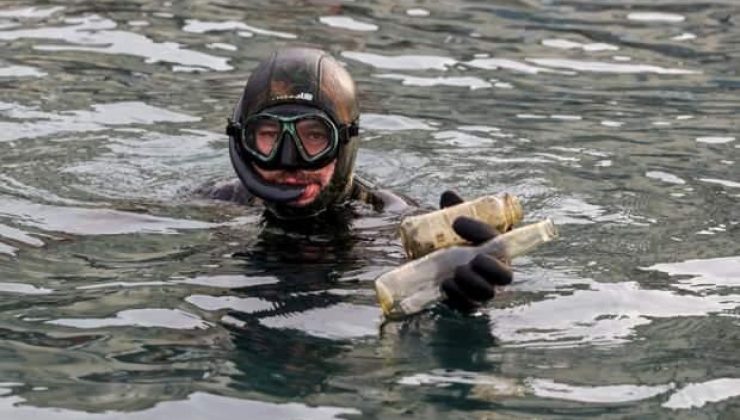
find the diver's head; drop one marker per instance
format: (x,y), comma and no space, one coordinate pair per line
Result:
(293,134)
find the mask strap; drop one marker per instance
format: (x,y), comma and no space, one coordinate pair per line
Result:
(348,131)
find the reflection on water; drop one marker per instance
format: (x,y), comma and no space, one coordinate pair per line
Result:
(96,34)
(196,406)
(346,22)
(101,118)
(698,395)
(81,221)
(603,315)
(471,82)
(247,31)
(598,394)
(146,318)
(127,297)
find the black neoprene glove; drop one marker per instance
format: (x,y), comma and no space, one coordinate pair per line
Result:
(473,283)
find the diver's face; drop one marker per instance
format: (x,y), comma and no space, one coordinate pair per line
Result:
(313,180)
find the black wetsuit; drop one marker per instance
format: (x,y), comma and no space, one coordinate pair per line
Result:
(472,284)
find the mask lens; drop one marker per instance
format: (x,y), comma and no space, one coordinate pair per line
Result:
(261,135)
(315,135)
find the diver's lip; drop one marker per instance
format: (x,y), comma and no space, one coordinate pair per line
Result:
(310,192)
(295,183)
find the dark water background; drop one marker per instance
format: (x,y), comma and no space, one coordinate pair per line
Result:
(124,297)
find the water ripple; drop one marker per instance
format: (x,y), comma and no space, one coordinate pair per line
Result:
(126,296)
(655,17)
(602,67)
(143,318)
(23,289)
(85,221)
(709,274)
(30,12)
(596,394)
(195,406)
(380,122)
(472,83)
(401,62)
(700,394)
(95,34)
(605,315)
(200,27)
(100,118)
(346,22)
(21,71)
(341,321)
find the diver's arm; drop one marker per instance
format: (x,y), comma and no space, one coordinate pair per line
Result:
(226,190)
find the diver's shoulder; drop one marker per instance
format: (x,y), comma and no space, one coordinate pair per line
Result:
(381,199)
(231,190)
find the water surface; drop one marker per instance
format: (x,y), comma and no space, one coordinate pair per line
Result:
(124,296)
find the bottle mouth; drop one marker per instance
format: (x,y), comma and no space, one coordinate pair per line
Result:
(385,299)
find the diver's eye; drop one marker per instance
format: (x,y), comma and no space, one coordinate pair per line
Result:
(266,136)
(314,135)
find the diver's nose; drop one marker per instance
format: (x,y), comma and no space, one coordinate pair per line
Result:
(289,156)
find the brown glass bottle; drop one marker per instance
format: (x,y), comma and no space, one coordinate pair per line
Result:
(425,233)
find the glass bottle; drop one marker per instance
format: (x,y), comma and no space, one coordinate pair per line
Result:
(415,285)
(427,232)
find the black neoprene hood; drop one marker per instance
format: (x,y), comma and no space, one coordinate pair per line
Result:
(307,77)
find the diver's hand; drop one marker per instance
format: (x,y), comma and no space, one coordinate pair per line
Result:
(473,283)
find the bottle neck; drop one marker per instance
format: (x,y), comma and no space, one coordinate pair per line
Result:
(520,240)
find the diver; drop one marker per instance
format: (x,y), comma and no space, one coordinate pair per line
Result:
(293,140)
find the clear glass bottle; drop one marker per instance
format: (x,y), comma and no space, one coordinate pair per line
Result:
(427,232)
(415,285)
